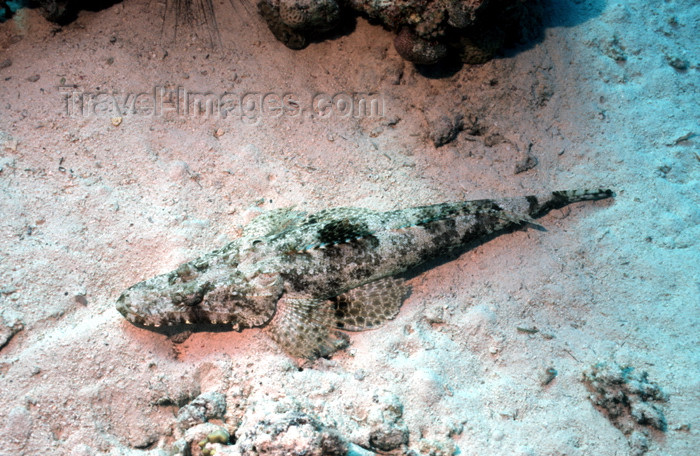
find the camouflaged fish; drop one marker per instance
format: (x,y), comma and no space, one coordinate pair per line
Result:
(303,276)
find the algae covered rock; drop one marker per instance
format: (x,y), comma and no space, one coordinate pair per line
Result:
(629,400)
(204,439)
(624,393)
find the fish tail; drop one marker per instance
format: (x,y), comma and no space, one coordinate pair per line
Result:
(538,205)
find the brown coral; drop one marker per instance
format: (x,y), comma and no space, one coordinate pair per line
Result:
(309,14)
(297,22)
(418,50)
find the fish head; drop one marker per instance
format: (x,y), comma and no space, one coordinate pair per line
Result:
(215,295)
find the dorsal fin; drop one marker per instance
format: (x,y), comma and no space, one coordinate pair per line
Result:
(339,225)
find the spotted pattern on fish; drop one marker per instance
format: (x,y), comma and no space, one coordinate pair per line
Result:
(303,276)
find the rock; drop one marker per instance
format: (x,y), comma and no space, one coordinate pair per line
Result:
(203,408)
(287,433)
(639,443)
(526,163)
(16,430)
(387,430)
(57,10)
(178,171)
(82,450)
(475,50)
(678,63)
(6,163)
(387,437)
(547,376)
(648,414)
(180,337)
(428,447)
(614,49)
(393,72)
(236,406)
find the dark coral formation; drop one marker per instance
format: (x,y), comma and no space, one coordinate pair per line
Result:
(415,49)
(65,11)
(296,22)
(427,29)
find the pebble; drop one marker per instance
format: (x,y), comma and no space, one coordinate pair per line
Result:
(445,129)
(178,171)
(678,63)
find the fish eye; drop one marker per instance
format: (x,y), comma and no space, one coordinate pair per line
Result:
(256,242)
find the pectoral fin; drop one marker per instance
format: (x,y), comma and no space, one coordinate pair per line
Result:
(370,305)
(303,328)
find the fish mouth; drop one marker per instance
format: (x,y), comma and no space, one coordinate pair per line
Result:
(188,318)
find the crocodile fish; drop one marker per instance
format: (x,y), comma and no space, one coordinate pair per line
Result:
(304,276)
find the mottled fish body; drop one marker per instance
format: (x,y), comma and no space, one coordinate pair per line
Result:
(303,275)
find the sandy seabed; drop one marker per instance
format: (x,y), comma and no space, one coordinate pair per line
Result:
(104,182)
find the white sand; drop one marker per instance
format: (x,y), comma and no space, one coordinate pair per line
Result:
(89,208)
